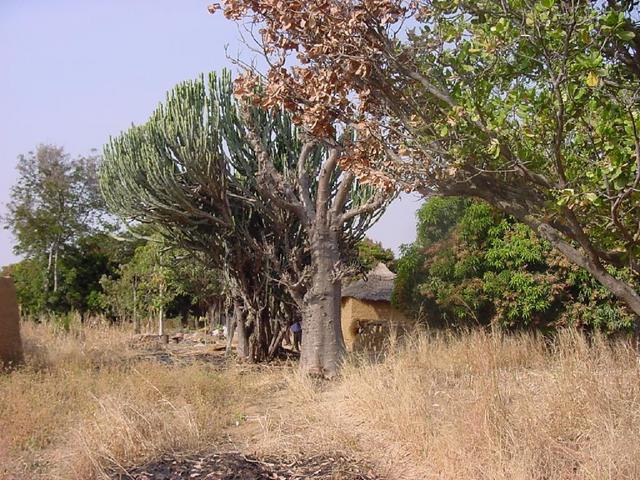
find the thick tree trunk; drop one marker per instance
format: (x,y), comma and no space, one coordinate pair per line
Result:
(212,316)
(242,349)
(261,334)
(322,342)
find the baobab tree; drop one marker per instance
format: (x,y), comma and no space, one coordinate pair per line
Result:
(333,204)
(531,106)
(274,210)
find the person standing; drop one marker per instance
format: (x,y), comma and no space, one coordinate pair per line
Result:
(296,329)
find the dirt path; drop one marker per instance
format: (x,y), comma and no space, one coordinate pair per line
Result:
(237,459)
(273,438)
(375,453)
(239,454)
(388,457)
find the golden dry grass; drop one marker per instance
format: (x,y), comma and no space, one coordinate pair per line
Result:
(476,407)
(83,405)
(471,406)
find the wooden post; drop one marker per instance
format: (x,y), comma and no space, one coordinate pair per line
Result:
(164,338)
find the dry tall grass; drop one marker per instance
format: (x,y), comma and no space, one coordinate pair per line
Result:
(471,406)
(477,407)
(83,405)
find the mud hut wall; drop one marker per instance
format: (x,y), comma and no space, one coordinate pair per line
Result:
(10,341)
(346,321)
(356,313)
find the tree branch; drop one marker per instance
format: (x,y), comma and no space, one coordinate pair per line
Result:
(370,206)
(303,179)
(270,177)
(324,185)
(343,193)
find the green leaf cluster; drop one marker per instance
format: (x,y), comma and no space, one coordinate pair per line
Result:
(483,267)
(370,253)
(543,98)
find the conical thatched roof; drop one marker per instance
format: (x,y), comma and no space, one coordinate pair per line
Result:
(377,286)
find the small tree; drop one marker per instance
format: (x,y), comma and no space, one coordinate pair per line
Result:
(55,202)
(146,284)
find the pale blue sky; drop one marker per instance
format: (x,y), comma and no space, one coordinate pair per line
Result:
(73,72)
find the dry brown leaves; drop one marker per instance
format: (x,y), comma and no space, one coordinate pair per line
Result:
(338,48)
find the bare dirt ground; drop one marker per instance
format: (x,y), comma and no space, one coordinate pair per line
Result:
(190,348)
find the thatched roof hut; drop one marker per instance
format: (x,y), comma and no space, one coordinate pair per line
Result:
(376,287)
(367,314)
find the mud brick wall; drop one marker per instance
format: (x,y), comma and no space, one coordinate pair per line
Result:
(10,341)
(367,324)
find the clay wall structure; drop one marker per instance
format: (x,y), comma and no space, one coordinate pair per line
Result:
(10,342)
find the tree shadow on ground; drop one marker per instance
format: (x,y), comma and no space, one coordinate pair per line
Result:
(236,466)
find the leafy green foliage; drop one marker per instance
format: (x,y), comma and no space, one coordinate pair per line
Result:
(29,278)
(59,220)
(158,277)
(409,275)
(437,217)
(55,201)
(535,111)
(144,284)
(371,253)
(481,267)
(81,266)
